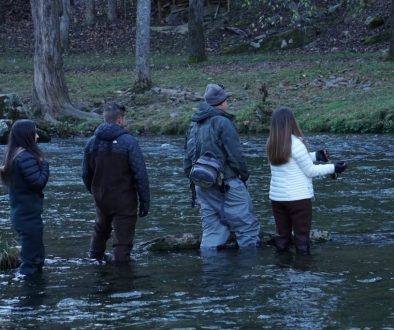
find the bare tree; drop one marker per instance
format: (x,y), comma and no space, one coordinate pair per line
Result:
(90,12)
(112,14)
(65,24)
(390,55)
(2,12)
(196,31)
(50,94)
(143,79)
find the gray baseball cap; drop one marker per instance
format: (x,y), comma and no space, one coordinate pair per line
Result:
(215,94)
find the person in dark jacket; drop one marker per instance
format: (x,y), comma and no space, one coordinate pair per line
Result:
(25,173)
(222,210)
(115,174)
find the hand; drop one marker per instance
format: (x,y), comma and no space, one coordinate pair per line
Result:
(143,213)
(322,155)
(340,166)
(143,210)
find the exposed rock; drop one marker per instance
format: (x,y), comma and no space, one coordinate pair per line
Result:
(373,22)
(11,107)
(173,243)
(294,38)
(5,126)
(190,241)
(289,39)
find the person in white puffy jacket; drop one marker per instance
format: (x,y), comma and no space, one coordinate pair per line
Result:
(291,189)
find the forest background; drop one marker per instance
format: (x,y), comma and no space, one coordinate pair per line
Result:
(328,60)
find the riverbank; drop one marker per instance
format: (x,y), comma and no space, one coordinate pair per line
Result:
(337,92)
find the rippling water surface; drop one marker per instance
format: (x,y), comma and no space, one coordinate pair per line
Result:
(348,283)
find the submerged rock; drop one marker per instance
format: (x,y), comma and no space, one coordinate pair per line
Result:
(189,241)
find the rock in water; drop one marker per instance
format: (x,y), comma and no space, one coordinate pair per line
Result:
(189,241)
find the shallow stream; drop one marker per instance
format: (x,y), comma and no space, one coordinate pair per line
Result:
(348,283)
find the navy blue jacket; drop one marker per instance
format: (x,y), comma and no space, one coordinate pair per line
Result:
(28,178)
(114,165)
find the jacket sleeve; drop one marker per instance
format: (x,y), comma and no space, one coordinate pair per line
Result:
(34,172)
(231,144)
(138,168)
(87,174)
(304,160)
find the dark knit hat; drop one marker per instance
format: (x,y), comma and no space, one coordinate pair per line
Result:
(215,94)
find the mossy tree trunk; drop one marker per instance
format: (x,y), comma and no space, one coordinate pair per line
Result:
(196,31)
(50,94)
(142,53)
(391,49)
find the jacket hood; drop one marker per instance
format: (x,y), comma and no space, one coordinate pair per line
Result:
(109,132)
(205,111)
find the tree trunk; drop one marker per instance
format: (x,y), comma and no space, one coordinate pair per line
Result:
(112,11)
(90,12)
(196,31)
(390,55)
(50,93)
(122,8)
(143,78)
(2,12)
(65,25)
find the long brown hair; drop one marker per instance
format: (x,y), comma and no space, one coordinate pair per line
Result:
(22,135)
(283,125)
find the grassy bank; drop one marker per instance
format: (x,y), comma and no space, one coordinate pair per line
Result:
(336,92)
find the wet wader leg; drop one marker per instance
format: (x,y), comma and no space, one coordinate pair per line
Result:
(124,229)
(214,232)
(101,234)
(301,215)
(283,225)
(240,215)
(32,249)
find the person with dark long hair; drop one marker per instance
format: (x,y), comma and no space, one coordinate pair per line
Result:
(25,173)
(291,189)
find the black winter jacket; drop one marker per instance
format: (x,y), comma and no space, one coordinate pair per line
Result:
(216,133)
(27,180)
(114,164)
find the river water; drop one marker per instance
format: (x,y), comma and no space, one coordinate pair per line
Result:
(348,283)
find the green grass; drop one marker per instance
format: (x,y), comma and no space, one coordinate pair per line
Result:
(295,80)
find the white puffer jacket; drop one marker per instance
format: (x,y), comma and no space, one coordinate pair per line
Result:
(293,181)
